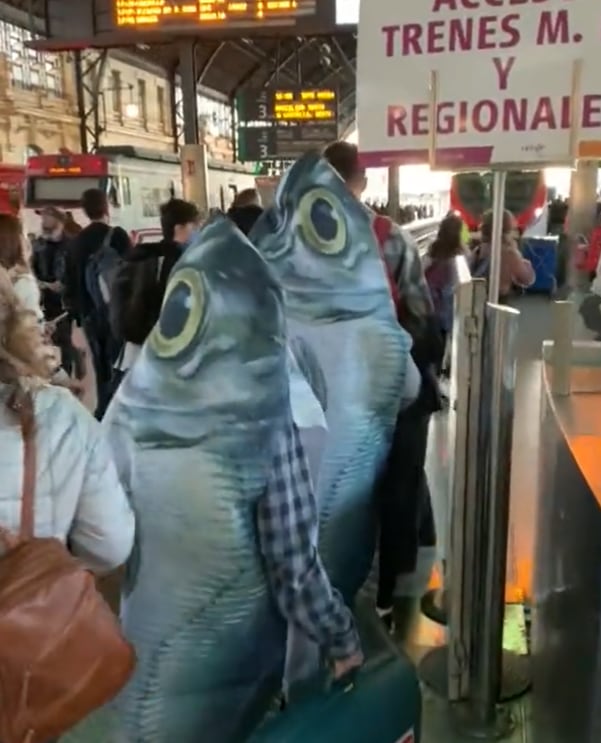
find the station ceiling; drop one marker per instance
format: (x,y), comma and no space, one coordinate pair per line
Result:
(232,65)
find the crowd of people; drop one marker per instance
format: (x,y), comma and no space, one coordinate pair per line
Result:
(407,213)
(94,278)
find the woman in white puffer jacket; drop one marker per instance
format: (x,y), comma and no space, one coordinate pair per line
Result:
(78,497)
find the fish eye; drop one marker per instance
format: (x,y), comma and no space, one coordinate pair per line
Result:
(182,314)
(322,221)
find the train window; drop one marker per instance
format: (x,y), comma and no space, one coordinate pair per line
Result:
(152,198)
(113,192)
(233,192)
(520,190)
(125,191)
(474,191)
(151,202)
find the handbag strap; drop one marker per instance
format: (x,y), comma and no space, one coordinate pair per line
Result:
(27,421)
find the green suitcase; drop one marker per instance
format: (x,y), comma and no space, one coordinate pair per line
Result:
(382,704)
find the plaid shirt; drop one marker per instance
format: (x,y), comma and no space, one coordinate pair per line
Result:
(287,525)
(404,262)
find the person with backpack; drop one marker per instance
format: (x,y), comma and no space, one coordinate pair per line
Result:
(515,269)
(94,256)
(63,513)
(140,282)
(439,269)
(405,509)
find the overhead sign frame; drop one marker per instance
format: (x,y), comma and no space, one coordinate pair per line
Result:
(92,26)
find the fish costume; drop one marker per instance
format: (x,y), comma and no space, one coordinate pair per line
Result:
(319,242)
(201,407)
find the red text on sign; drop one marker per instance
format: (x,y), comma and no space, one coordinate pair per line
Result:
(485,116)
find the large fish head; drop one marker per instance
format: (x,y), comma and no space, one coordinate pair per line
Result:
(318,239)
(215,364)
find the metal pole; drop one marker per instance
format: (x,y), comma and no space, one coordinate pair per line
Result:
(563,336)
(187,71)
(494,464)
(81,101)
(394,198)
(498,211)
(464,436)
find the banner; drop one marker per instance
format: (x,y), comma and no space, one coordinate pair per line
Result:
(506,72)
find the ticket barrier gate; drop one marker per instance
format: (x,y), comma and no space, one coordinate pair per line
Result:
(472,671)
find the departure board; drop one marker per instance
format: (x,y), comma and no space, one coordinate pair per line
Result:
(283,123)
(181,15)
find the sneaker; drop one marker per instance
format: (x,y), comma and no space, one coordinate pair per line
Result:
(387,619)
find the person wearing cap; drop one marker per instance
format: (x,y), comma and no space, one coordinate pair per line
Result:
(49,266)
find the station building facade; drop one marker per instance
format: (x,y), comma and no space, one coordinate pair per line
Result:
(38,104)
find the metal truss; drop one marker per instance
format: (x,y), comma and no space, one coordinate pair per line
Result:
(90,68)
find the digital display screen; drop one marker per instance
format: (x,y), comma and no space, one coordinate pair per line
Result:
(75,170)
(287,105)
(283,123)
(166,14)
(304,105)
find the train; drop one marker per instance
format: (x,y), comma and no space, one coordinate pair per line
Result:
(525,197)
(136,180)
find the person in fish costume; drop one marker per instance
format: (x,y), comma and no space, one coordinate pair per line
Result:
(319,242)
(199,411)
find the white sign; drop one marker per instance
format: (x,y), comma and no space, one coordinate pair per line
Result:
(505,72)
(347,12)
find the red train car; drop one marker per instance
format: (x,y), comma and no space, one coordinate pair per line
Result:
(525,197)
(12,184)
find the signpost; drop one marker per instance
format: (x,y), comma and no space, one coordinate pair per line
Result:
(284,123)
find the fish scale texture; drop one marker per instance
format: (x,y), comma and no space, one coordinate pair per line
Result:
(319,242)
(200,409)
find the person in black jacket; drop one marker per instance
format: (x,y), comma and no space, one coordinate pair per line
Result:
(140,284)
(49,261)
(245,210)
(77,299)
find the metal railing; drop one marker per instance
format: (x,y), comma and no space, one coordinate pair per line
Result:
(423,231)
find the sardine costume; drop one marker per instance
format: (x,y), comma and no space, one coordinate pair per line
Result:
(202,406)
(319,242)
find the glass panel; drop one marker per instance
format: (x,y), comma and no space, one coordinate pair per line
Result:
(60,190)
(29,68)
(218,115)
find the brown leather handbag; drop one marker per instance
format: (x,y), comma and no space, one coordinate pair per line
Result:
(62,653)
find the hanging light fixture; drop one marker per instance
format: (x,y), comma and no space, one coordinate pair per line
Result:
(132,110)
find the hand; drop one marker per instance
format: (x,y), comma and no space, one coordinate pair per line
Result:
(346,665)
(55,286)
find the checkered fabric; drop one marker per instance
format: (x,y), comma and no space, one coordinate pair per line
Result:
(287,526)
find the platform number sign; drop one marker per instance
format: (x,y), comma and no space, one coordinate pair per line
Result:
(409,737)
(284,123)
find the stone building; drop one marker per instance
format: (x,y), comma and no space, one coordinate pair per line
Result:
(38,104)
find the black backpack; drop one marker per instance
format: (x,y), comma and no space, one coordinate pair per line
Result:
(100,271)
(137,296)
